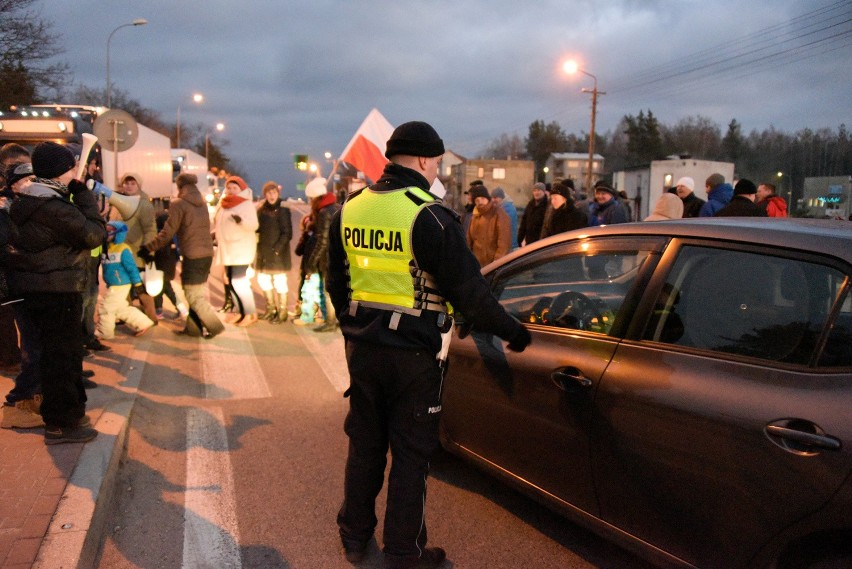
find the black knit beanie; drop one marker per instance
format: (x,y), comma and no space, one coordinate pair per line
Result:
(415,138)
(745,187)
(51,160)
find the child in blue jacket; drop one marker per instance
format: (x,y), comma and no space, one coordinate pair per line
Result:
(120,273)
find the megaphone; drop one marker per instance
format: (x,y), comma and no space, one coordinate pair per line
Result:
(126,205)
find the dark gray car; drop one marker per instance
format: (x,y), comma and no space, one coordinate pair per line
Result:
(688,390)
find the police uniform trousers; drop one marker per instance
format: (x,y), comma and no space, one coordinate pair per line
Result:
(394,402)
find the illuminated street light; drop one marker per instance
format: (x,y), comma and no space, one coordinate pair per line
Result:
(572,67)
(136,22)
(197,98)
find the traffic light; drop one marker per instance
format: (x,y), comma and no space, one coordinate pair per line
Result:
(300,161)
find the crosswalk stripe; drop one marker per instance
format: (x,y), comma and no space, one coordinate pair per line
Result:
(328,350)
(211,537)
(230,367)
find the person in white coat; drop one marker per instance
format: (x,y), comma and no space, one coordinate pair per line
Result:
(235,226)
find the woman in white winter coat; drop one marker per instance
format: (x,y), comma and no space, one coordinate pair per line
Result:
(235,226)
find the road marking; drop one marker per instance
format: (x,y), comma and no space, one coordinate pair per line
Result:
(230,368)
(328,350)
(210,535)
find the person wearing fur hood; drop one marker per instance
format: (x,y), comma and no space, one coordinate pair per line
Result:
(235,227)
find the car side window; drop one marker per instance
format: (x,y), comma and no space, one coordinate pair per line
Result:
(579,289)
(746,303)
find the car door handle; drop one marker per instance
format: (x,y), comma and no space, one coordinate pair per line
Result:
(804,437)
(569,379)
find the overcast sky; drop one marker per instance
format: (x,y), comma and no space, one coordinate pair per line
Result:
(299,77)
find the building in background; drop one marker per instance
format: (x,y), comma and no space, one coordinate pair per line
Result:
(645,184)
(829,196)
(516,177)
(574,166)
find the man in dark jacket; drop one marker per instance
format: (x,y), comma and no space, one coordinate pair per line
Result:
(685,190)
(397,256)
(532,220)
(742,204)
(565,216)
(607,207)
(58,225)
(718,195)
(317,262)
(190,221)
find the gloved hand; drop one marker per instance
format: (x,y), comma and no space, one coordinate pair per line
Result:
(521,340)
(99,188)
(139,289)
(237,218)
(145,255)
(76,186)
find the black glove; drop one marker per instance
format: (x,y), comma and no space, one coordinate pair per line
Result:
(145,255)
(139,289)
(521,340)
(75,186)
(237,218)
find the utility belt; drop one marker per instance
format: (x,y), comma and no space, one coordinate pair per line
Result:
(444,319)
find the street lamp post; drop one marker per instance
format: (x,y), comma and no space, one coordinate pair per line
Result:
(571,67)
(220,127)
(196,97)
(136,22)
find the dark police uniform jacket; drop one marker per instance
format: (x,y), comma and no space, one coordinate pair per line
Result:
(439,248)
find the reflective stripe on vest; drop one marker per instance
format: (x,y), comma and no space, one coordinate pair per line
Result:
(376,233)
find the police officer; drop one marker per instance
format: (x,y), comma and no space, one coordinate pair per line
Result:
(397,258)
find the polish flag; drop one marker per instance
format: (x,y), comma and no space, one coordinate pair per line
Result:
(366,150)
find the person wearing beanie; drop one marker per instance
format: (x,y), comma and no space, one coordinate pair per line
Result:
(272,262)
(190,222)
(742,204)
(719,195)
(767,200)
(120,275)
(58,225)
(607,207)
(532,220)
(397,256)
(499,198)
(235,225)
(489,235)
(685,190)
(669,206)
(565,216)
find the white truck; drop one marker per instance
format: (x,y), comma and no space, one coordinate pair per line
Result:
(149,157)
(185,160)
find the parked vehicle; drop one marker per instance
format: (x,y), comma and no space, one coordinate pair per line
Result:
(149,157)
(687,392)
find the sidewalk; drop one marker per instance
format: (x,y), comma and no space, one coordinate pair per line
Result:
(51,497)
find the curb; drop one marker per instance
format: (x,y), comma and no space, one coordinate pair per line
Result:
(76,531)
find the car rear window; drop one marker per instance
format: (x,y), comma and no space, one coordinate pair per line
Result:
(752,304)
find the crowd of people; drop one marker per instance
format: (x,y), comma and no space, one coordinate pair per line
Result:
(493,227)
(75,253)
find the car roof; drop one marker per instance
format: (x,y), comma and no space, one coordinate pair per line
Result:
(827,236)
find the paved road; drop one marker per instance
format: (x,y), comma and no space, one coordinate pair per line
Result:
(235,459)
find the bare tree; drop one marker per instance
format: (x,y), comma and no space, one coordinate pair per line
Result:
(28,43)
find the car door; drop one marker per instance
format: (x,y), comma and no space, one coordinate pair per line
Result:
(721,421)
(526,416)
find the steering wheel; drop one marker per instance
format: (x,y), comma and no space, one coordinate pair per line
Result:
(572,310)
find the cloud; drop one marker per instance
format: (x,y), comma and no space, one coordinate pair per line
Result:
(300,77)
